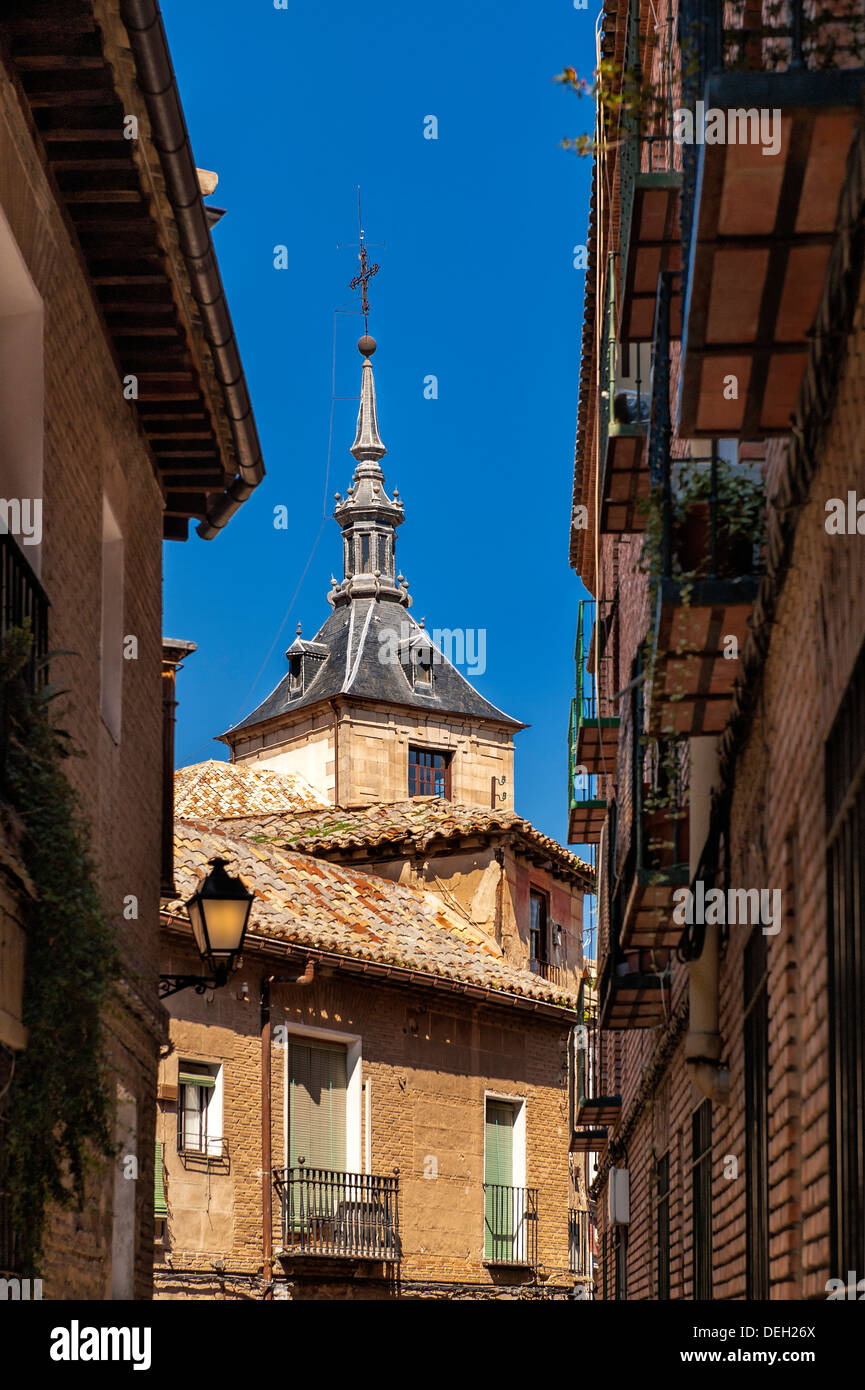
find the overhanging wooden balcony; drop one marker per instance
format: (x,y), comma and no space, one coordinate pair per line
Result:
(650,189)
(762,224)
(633,996)
(591,1106)
(711,526)
(588,1141)
(586,810)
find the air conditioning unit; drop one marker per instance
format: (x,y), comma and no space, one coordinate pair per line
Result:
(618,1197)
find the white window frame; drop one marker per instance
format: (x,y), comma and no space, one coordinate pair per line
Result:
(519,1154)
(354,1126)
(214,1107)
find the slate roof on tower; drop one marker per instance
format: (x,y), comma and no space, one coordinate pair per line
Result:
(370,647)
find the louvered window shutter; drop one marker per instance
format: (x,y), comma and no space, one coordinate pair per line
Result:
(317,1082)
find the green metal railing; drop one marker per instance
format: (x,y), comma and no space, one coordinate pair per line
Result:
(623,411)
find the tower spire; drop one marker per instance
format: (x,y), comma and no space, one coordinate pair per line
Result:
(367,515)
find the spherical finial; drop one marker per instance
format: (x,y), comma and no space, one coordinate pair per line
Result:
(366,345)
(299,629)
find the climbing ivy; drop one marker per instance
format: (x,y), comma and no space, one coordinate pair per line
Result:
(59,1104)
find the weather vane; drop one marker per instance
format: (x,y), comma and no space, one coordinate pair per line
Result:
(367,271)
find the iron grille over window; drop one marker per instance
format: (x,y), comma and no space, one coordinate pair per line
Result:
(701,1185)
(662,1225)
(757,1114)
(845,875)
(429,773)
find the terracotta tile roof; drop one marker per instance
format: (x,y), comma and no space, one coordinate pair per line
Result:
(325,906)
(211,790)
(420,822)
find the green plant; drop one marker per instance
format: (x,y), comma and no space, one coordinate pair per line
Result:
(739,498)
(59,1105)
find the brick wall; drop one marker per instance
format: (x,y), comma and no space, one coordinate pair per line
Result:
(427,1061)
(92,446)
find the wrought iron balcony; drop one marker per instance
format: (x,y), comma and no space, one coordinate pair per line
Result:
(649,858)
(510,1225)
(650,182)
(554,974)
(594,723)
(709,561)
(623,413)
(592,1106)
(579,1243)
(586,810)
(338,1215)
(23,601)
(760,203)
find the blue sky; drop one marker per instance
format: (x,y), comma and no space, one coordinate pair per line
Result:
(294,109)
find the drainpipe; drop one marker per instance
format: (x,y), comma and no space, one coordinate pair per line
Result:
(703,1040)
(299,978)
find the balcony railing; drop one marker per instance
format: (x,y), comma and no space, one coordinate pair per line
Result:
(650,181)
(709,561)
(510,1225)
(595,721)
(593,1107)
(554,974)
(586,810)
(340,1215)
(23,601)
(622,419)
(579,1247)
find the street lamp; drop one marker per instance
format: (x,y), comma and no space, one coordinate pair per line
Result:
(218,911)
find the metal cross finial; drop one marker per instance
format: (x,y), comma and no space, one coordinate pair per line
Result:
(367,271)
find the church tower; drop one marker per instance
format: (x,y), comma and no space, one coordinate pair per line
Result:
(371,710)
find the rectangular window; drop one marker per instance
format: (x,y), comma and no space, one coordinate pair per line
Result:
(365,562)
(429,773)
(111,669)
(756,991)
(499,1214)
(701,1199)
(662,1226)
(538,931)
(316,1105)
(199,1111)
(845,875)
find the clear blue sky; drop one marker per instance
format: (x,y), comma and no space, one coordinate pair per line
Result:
(293,109)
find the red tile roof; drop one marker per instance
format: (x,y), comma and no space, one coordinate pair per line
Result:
(319,905)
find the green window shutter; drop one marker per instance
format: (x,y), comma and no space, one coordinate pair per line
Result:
(159,1206)
(187,1078)
(499,1175)
(317,1084)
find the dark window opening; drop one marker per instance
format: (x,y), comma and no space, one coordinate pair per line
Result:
(421,665)
(756,990)
(429,773)
(365,564)
(845,874)
(295,674)
(701,1199)
(538,930)
(662,1226)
